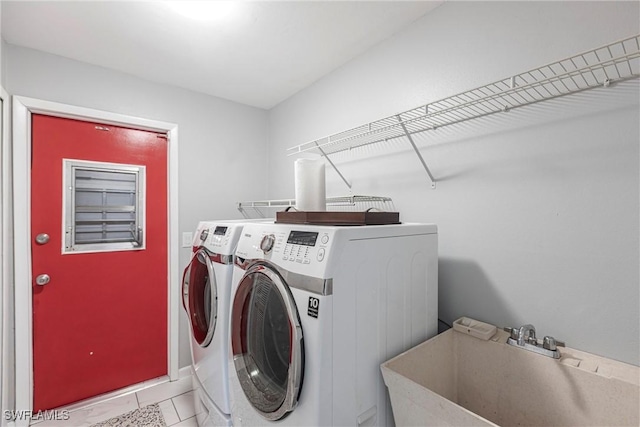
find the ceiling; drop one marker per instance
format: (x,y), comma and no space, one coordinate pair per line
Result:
(257,53)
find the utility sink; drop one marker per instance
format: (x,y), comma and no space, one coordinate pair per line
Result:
(458,379)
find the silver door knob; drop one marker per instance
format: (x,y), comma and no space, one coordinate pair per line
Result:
(42,279)
(42,238)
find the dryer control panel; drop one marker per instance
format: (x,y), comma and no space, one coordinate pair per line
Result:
(299,244)
(302,249)
(218,237)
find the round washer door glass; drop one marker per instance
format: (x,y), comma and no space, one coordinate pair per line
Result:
(267,344)
(200,289)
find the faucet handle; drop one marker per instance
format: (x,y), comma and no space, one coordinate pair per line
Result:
(550,343)
(513,332)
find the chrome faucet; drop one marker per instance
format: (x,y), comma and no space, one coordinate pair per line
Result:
(525,337)
(526,333)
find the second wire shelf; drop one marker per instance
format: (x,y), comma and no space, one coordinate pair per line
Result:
(600,67)
(341,203)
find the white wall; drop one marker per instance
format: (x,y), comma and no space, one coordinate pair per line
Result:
(537,208)
(2,43)
(220,141)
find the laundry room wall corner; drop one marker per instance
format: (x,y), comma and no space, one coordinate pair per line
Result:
(537,208)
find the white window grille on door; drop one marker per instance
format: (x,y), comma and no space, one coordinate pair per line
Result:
(103,207)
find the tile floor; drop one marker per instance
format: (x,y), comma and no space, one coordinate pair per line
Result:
(175,400)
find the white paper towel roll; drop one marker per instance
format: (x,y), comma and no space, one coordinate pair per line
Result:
(310,185)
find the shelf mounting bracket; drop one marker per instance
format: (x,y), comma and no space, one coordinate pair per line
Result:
(333,165)
(415,148)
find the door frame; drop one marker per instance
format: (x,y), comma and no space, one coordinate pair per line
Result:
(6,265)
(23,108)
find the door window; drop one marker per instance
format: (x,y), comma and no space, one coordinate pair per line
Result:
(104,206)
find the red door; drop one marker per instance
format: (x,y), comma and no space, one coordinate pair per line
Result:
(99,258)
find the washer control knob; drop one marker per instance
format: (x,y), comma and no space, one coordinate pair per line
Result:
(267,243)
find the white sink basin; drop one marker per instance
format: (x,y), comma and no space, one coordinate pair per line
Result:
(455,379)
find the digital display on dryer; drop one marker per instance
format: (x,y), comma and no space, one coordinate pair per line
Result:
(220,231)
(306,238)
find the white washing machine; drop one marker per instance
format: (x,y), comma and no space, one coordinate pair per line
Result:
(316,310)
(206,289)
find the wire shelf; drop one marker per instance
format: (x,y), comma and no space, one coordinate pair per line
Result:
(342,203)
(598,67)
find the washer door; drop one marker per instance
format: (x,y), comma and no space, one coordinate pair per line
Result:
(267,342)
(200,297)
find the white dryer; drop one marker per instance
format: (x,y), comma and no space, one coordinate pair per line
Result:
(206,295)
(316,310)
